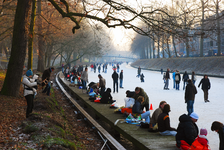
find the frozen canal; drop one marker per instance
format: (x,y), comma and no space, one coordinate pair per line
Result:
(153,86)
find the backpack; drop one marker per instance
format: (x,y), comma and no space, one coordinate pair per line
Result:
(177,78)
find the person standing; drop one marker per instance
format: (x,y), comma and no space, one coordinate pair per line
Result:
(46,80)
(99,68)
(29,91)
(219,128)
(206,85)
(164,122)
(105,68)
(84,78)
(139,72)
(190,92)
(102,84)
(167,77)
(118,67)
(140,92)
(185,78)
(177,80)
(193,77)
(174,73)
(94,68)
(121,79)
(142,77)
(115,81)
(187,129)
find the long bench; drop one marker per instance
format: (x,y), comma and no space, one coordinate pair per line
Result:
(140,137)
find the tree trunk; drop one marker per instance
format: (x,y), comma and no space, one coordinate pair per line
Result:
(218,29)
(12,82)
(174,45)
(40,66)
(158,52)
(150,48)
(202,30)
(31,36)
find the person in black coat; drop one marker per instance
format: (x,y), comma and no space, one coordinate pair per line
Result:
(115,80)
(185,78)
(219,128)
(46,80)
(206,85)
(177,80)
(121,79)
(164,122)
(107,98)
(167,77)
(187,129)
(190,92)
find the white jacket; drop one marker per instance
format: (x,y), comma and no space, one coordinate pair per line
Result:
(28,84)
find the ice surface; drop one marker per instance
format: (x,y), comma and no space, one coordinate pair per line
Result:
(153,85)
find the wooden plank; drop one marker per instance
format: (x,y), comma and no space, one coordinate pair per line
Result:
(100,128)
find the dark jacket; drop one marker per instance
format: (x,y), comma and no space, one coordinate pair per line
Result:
(107,98)
(142,93)
(190,92)
(187,130)
(130,94)
(206,85)
(102,82)
(46,75)
(164,123)
(167,75)
(115,76)
(177,77)
(121,75)
(185,77)
(221,139)
(139,70)
(137,108)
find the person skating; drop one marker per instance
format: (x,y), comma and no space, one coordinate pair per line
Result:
(115,81)
(184,79)
(167,77)
(142,77)
(121,79)
(138,72)
(177,80)
(173,75)
(206,85)
(190,92)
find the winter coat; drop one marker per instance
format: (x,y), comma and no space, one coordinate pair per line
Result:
(107,98)
(164,123)
(46,75)
(84,76)
(221,139)
(155,116)
(177,77)
(202,139)
(174,73)
(190,92)
(28,85)
(139,70)
(115,76)
(167,75)
(102,83)
(187,130)
(137,108)
(142,93)
(121,75)
(185,77)
(206,85)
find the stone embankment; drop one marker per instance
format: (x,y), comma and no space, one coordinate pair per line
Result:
(212,66)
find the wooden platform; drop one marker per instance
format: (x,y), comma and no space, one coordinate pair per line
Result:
(140,137)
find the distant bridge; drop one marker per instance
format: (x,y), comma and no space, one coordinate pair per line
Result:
(118,56)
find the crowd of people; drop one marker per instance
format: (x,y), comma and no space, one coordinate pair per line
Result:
(187,133)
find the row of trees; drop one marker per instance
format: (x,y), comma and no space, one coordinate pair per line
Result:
(188,23)
(53,35)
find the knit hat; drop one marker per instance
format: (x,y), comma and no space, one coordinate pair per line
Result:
(29,73)
(194,115)
(203,131)
(166,108)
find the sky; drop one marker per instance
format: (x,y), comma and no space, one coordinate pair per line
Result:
(153,85)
